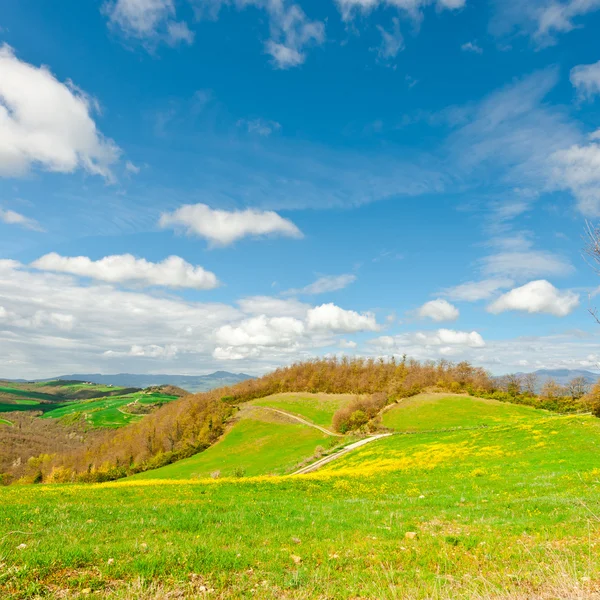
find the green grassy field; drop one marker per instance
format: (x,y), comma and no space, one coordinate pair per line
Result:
(110,411)
(27,394)
(260,443)
(317,408)
(511,511)
(427,412)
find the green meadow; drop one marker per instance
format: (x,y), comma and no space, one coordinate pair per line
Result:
(317,408)
(511,510)
(259,443)
(446,411)
(109,411)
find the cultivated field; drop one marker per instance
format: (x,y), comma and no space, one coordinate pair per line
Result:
(111,412)
(98,405)
(511,510)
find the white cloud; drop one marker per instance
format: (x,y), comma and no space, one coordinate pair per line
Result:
(392,41)
(125,268)
(542,19)
(473,291)
(149,351)
(586,80)
(46,123)
(348,344)
(329,317)
(471,47)
(267,305)
(10,217)
(53,324)
(537,297)
(442,338)
(323,285)
(577,169)
(223,227)
(261,331)
(129,166)
(349,7)
(439,310)
(149,20)
(260,127)
(525,264)
(291,32)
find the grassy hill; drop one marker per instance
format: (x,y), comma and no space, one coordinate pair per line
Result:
(100,405)
(114,411)
(506,511)
(316,408)
(260,442)
(437,411)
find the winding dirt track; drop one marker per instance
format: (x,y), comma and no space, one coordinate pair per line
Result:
(303,421)
(340,453)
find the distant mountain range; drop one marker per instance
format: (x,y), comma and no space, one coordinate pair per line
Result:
(191,383)
(563,376)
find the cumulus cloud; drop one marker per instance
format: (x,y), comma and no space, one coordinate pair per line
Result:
(439,310)
(46,123)
(124,268)
(474,291)
(537,297)
(440,339)
(221,227)
(586,80)
(149,20)
(52,323)
(329,317)
(153,21)
(10,217)
(323,285)
(261,331)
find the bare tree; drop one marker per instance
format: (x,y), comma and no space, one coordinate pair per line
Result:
(578,387)
(551,390)
(592,250)
(530,383)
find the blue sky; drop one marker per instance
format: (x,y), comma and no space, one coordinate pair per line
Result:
(192,185)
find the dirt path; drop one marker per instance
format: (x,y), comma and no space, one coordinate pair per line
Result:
(340,453)
(303,421)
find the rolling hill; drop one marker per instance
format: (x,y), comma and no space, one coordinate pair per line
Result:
(468,498)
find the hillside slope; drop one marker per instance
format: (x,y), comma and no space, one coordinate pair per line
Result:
(505,512)
(260,442)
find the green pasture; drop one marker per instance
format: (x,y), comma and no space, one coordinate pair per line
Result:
(259,443)
(28,394)
(427,412)
(317,408)
(109,411)
(508,512)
